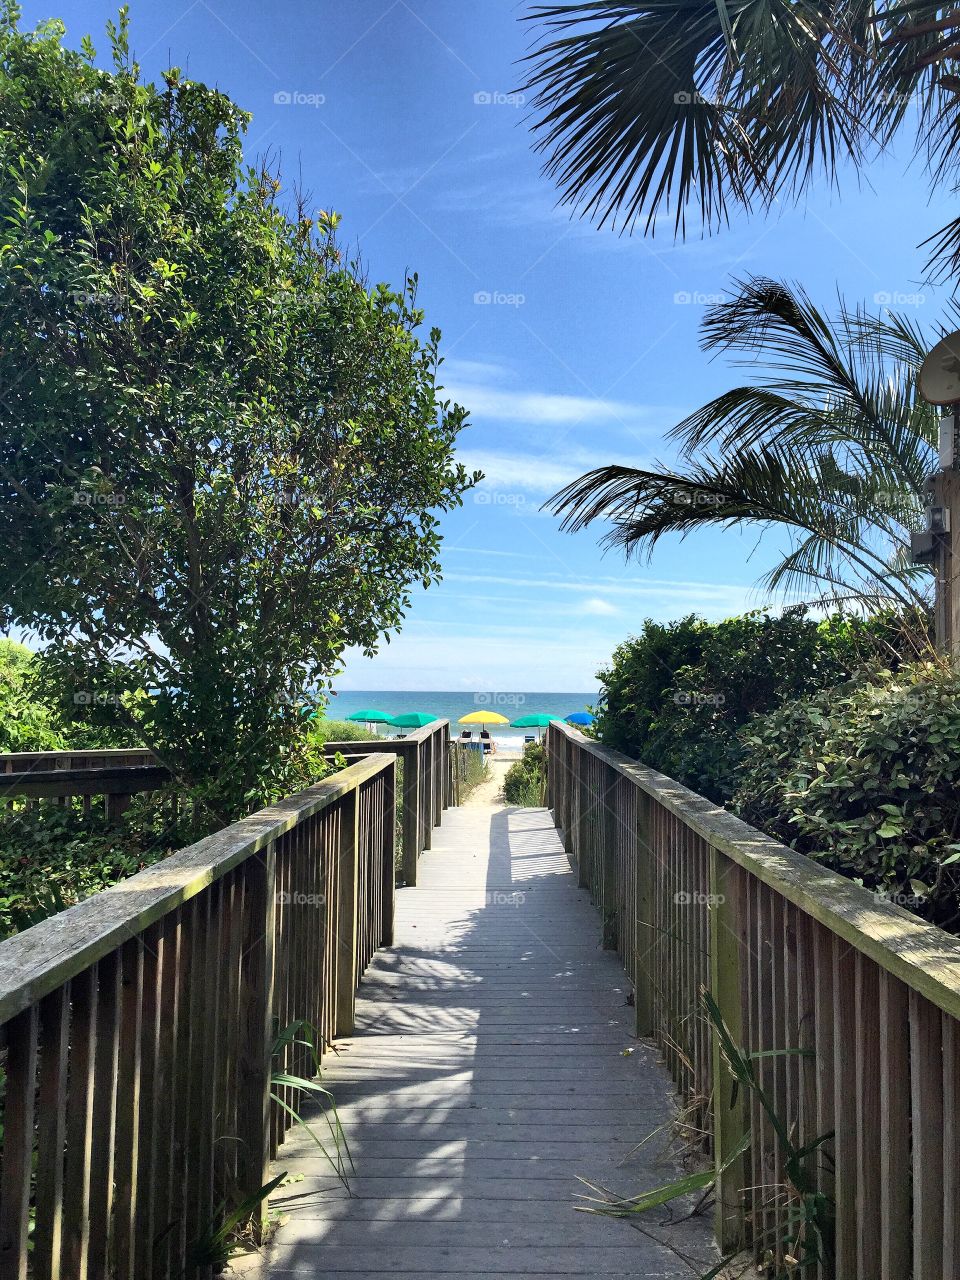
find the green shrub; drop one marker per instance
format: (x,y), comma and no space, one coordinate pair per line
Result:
(473,770)
(524,781)
(322,730)
(676,695)
(52,857)
(866,779)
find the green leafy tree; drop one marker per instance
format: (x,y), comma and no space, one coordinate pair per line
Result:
(222,451)
(648,107)
(830,441)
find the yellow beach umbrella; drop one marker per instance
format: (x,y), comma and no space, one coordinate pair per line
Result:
(483,717)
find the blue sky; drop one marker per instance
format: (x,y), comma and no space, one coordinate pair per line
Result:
(571,347)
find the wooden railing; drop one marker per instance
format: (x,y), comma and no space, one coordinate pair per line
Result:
(65,776)
(427,781)
(853,1002)
(137,1030)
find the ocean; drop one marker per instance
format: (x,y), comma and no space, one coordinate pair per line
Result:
(450,705)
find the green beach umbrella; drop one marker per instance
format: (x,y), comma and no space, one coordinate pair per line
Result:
(370,717)
(533,722)
(412,720)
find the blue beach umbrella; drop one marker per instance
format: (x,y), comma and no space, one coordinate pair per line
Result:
(580,717)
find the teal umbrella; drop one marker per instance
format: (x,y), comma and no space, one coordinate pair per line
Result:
(412,720)
(533,722)
(370,717)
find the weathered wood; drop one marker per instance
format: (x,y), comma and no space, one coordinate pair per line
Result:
(924,957)
(256,1028)
(123,781)
(894,1077)
(347,922)
(37,961)
(18,1113)
(51,1132)
(926,1070)
(729,943)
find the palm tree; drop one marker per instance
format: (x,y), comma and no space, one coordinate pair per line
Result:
(833,444)
(654,105)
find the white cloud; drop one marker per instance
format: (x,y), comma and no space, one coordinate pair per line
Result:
(544,408)
(599,608)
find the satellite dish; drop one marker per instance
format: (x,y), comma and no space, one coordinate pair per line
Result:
(940,373)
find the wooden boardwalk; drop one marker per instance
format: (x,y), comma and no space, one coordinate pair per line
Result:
(493,1063)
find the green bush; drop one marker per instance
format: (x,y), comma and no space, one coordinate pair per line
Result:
(866,779)
(676,695)
(322,730)
(52,857)
(524,781)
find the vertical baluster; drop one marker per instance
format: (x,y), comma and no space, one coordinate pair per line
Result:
(18,1117)
(51,1133)
(926,1069)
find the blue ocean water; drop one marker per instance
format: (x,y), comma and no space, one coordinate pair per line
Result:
(451,705)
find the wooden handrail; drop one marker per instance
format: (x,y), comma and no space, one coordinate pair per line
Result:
(427,783)
(138,1029)
(921,955)
(848,1005)
(126,780)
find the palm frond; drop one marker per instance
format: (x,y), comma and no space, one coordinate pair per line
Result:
(640,106)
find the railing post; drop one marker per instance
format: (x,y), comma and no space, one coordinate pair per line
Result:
(348,864)
(389,853)
(256,1028)
(646,936)
(608,832)
(425,794)
(727,941)
(411,814)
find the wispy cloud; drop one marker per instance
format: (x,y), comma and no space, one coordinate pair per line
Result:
(598,608)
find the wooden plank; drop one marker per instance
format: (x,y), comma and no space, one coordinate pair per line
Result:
(256,1029)
(18,1114)
(951,1148)
(104,1112)
(822,945)
(347,908)
(84,782)
(728,943)
(127,1157)
(867,1053)
(926,1070)
(389,856)
(51,1133)
(645,940)
(845,1107)
(76,1197)
(893,1069)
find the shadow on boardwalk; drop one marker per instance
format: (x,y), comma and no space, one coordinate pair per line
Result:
(486,1073)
